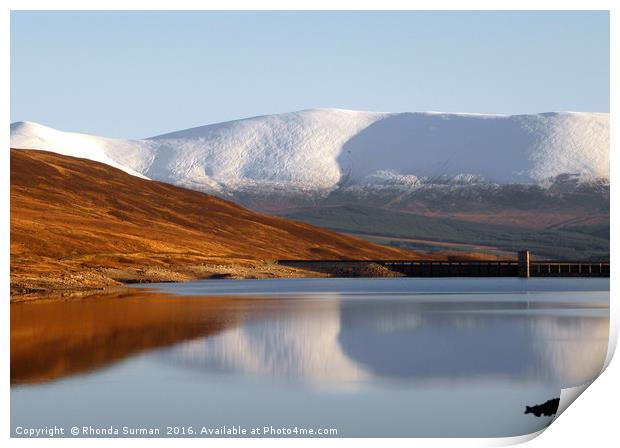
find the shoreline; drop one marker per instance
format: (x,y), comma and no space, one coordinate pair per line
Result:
(76,284)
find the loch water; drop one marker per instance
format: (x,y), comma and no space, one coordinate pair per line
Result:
(366,357)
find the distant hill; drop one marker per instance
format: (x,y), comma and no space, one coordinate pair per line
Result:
(427,233)
(80,223)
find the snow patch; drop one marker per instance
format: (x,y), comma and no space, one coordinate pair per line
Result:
(126,155)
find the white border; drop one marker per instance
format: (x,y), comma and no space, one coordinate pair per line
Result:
(591,421)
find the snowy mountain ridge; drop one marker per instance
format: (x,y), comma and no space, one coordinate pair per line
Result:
(321,150)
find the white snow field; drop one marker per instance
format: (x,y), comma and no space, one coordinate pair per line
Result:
(321,149)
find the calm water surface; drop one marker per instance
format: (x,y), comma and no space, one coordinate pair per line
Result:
(369,357)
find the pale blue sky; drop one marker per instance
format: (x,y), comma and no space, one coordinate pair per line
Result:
(138,74)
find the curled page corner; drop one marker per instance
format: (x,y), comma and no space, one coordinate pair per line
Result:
(613,341)
(569,395)
(514,440)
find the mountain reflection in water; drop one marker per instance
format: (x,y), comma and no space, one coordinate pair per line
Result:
(53,339)
(335,340)
(326,339)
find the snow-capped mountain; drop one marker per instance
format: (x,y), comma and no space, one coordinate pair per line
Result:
(317,152)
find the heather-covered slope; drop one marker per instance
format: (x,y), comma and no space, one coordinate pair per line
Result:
(79,223)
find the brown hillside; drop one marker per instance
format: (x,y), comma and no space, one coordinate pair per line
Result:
(79,223)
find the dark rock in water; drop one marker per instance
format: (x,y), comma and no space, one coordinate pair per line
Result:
(548,408)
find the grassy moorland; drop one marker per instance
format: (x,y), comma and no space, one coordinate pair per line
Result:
(78,224)
(419,232)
